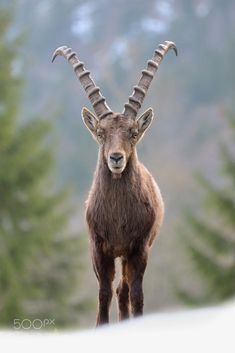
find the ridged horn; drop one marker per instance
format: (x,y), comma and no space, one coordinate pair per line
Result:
(93,92)
(136,99)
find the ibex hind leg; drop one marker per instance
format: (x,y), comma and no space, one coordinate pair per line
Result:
(136,267)
(105,269)
(123,294)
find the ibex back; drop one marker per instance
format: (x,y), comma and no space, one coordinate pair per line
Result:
(124,210)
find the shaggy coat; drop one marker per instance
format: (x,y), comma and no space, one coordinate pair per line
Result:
(124,215)
(124,210)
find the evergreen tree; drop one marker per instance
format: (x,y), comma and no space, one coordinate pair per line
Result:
(210,237)
(39,259)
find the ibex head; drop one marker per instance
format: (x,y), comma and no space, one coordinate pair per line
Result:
(116,133)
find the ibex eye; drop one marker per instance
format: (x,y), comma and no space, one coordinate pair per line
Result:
(99,134)
(134,135)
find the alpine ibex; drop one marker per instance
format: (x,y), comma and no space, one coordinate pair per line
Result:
(124,210)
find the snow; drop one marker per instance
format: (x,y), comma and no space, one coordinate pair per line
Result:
(202,330)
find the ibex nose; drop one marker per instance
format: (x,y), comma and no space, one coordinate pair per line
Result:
(116,157)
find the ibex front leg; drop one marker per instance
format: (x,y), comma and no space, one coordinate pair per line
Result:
(105,270)
(136,268)
(123,293)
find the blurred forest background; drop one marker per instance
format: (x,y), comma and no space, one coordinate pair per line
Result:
(47,157)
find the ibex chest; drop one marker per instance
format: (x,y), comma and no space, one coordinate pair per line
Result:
(119,217)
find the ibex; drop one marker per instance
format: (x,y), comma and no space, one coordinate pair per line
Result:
(124,210)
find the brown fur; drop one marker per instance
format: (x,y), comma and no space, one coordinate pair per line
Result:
(124,208)
(124,215)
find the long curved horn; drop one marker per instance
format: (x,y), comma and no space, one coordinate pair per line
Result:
(97,100)
(138,95)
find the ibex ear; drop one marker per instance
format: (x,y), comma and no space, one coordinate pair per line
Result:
(90,120)
(145,120)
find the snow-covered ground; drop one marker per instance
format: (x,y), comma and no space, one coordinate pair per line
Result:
(204,330)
